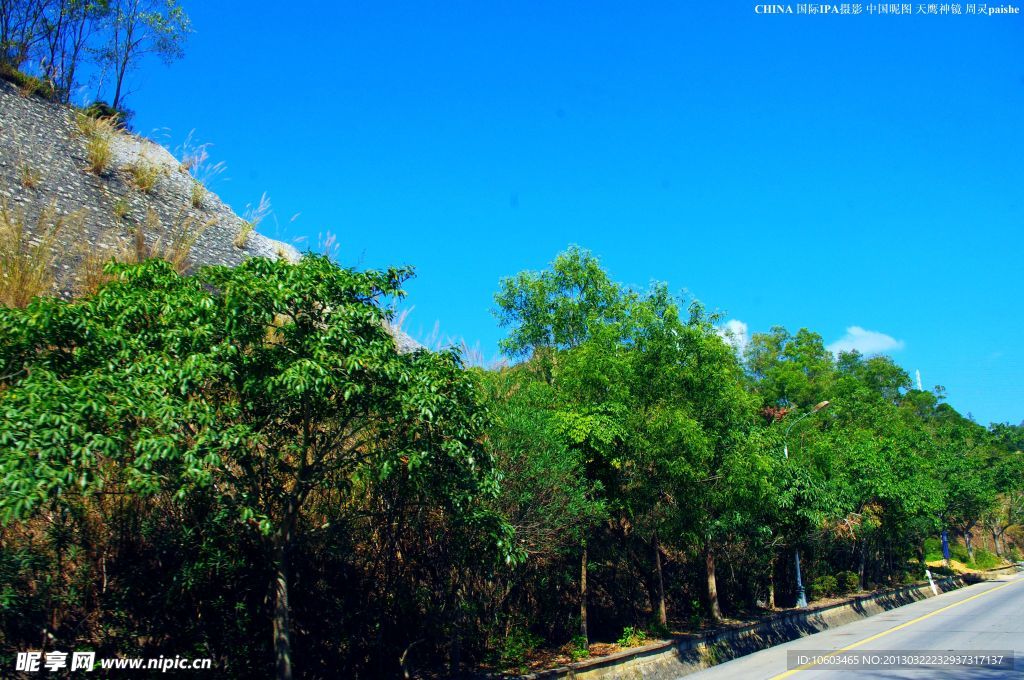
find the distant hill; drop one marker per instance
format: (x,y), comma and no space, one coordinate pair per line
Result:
(45,163)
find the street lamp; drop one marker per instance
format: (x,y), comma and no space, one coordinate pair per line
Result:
(801,595)
(817,407)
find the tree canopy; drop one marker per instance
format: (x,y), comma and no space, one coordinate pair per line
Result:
(241,464)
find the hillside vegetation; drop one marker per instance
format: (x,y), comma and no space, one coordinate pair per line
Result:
(76,191)
(211,447)
(240,464)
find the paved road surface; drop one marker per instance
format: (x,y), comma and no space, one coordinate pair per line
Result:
(986,616)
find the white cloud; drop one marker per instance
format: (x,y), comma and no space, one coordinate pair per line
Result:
(865,342)
(736,334)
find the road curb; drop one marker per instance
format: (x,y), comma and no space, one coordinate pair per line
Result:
(681,656)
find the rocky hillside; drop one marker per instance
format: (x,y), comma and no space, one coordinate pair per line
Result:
(45,168)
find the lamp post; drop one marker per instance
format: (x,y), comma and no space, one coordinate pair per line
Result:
(817,407)
(801,594)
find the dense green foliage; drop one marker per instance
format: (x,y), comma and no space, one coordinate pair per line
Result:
(240,464)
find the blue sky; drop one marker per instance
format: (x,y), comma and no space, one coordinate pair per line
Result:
(829,172)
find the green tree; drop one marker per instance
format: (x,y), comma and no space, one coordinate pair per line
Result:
(569,320)
(544,494)
(139,28)
(556,308)
(881,461)
(789,370)
(720,477)
(1010,437)
(264,383)
(70,26)
(21,29)
(1008,509)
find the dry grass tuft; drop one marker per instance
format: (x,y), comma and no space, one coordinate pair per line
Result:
(30,177)
(244,231)
(253,217)
(150,239)
(121,208)
(28,255)
(198,194)
(437,341)
(195,160)
(144,174)
(173,244)
(98,149)
(90,274)
(99,135)
(326,244)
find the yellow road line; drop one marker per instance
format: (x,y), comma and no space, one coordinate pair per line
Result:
(837,652)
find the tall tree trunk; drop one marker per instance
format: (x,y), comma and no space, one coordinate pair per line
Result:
(771,581)
(861,563)
(995,542)
(583,596)
(662,610)
(713,608)
(968,545)
(282,623)
(120,81)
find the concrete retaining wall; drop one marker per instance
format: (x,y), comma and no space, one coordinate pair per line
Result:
(674,658)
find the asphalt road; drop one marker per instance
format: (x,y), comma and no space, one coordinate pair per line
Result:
(986,616)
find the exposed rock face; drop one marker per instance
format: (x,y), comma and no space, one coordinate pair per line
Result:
(44,138)
(404,342)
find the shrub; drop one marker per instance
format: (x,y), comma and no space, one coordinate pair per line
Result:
(26,84)
(658,629)
(144,174)
(695,618)
(823,586)
(517,646)
(848,582)
(632,637)
(104,111)
(932,549)
(578,648)
(983,559)
(958,552)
